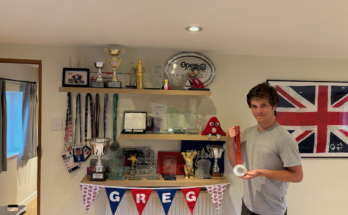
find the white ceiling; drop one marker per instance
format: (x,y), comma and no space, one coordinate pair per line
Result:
(307,28)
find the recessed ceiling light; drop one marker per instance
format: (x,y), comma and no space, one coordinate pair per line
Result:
(194,28)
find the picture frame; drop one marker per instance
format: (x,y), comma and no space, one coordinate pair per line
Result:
(315,113)
(134,122)
(75,77)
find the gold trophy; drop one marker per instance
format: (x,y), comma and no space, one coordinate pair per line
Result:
(188,157)
(114,63)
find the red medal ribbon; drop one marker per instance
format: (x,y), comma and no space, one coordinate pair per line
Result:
(239,151)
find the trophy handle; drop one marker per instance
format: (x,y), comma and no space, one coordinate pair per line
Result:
(106,50)
(122,51)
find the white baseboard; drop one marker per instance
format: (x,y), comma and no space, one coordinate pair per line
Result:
(29,199)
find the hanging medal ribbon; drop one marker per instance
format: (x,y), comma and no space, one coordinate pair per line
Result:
(96,116)
(239,170)
(78,149)
(105,111)
(68,126)
(114,146)
(87,150)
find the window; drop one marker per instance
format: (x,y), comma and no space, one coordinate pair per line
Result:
(14,122)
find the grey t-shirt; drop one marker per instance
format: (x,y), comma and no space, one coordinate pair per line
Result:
(272,149)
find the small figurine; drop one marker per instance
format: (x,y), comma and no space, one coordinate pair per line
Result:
(133,158)
(194,81)
(188,157)
(213,128)
(166,85)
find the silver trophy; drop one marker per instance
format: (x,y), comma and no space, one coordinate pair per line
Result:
(216,151)
(99,147)
(99,82)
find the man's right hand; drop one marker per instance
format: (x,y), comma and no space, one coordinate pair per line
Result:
(231,134)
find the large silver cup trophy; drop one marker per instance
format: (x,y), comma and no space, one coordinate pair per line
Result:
(99,147)
(216,151)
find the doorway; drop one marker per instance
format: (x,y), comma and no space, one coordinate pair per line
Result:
(22,166)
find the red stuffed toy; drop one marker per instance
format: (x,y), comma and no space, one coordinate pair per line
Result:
(213,128)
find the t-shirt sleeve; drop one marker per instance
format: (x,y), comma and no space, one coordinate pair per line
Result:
(289,152)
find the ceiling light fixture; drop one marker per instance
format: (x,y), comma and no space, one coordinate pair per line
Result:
(194,28)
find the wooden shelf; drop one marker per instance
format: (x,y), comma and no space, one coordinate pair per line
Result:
(135,91)
(179,182)
(171,137)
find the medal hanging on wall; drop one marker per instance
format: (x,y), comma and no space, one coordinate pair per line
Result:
(67,155)
(86,149)
(115,145)
(239,170)
(105,121)
(96,117)
(78,149)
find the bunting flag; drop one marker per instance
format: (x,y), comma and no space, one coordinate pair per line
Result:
(216,193)
(191,196)
(166,197)
(115,196)
(89,192)
(141,196)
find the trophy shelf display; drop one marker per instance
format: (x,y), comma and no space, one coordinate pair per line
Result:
(135,91)
(144,182)
(171,137)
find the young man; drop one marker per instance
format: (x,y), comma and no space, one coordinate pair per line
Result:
(269,153)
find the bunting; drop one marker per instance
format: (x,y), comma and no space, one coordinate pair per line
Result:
(142,195)
(89,192)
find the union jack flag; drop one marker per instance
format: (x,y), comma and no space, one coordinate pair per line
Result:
(316,114)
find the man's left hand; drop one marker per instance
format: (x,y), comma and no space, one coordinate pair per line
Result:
(251,174)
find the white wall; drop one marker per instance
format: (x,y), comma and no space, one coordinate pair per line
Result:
(20,179)
(321,194)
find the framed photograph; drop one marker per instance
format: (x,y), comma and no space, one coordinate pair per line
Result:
(316,114)
(68,161)
(75,77)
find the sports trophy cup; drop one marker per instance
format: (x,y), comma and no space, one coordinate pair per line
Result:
(114,63)
(216,151)
(99,82)
(98,148)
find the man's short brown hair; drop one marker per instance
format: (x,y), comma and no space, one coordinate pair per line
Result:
(264,90)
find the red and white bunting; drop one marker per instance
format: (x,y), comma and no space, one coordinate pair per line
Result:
(191,196)
(89,192)
(141,196)
(216,193)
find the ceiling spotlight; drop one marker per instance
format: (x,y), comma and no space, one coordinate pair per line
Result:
(194,28)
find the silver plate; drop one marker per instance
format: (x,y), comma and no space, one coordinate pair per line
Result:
(180,64)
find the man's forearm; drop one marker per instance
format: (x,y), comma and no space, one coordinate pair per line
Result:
(232,154)
(282,175)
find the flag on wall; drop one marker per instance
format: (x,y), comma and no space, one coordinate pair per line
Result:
(89,192)
(141,196)
(166,197)
(191,196)
(115,196)
(316,115)
(216,193)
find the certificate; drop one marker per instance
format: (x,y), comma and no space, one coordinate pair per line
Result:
(134,121)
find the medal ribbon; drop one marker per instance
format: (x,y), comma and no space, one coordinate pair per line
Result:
(78,110)
(105,110)
(88,96)
(115,100)
(96,116)
(68,125)
(238,147)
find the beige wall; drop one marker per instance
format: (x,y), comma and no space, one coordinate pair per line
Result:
(20,179)
(318,193)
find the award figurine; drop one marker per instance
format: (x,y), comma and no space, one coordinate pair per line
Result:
(98,148)
(169,167)
(133,172)
(114,63)
(188,157)
(216,151)
(99,82)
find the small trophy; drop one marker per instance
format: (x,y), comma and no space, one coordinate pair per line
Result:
(203,171)
(98,149)
(152,173)
(134,170)
(99,82)
(216,151)
(188,157)
(116,172)
(169,167)
(114,63)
